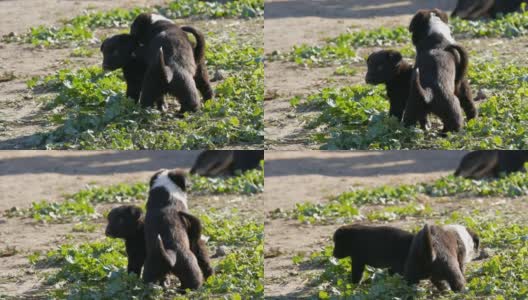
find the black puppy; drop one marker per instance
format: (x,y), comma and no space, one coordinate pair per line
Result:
(126,222)
(380,247)
(440,253)
(123,52)
(172,63)
(475,9)
(491,163)
(441,67)
(388,67)
(166,232)
(226,162)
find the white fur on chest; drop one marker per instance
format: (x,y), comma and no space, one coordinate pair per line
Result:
(163,181)
(155,18)
(466,238)
(436,25)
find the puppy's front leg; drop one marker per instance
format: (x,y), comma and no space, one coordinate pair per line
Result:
(358,266)
(152,88)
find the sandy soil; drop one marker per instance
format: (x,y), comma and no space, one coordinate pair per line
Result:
(21,115)
(295,177)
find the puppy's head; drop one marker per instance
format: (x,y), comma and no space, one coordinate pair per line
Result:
(382,66)
(123,221)
(142,24)
(427,21)
(341,242)
(117,51)
(170,179)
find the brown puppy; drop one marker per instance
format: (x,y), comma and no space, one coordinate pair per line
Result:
(388,67)
(491,163)
(226,162)
(380,247)
(126,222)
(170,232)
(440,72)
(173,65)
(121,52)
(440,253)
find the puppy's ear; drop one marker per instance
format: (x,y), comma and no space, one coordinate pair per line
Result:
(395,57)
(179,179)
(135,212)
(155,176)
(442,15)
(417,21)
(192,224)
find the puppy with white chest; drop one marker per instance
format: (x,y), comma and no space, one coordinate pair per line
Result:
(440,253)
(441,67)
(172,235)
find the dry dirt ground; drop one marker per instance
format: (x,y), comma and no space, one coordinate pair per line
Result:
(20,114)
(294,177)
(294,22)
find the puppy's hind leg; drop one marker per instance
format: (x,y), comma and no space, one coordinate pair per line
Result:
(202,82)
(466,99)
(184,88)
(152,88)
(449,111)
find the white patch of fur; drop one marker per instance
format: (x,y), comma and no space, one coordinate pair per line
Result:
(175,191)
(155,18)
(466,238)
(436,25)
(204,238)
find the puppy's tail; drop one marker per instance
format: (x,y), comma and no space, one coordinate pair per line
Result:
(168,255)
(199,50)
(165,70)
(461,56)
(422,93)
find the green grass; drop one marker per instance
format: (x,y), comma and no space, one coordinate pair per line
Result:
(91,111)
(80,30)
(502,276)
(345,208)
(80,206)
(97,270)
(356,117)
(342,49)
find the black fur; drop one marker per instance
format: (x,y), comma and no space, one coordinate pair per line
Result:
(476,9)
(173,236)
(491,163)
(380,247)
(173,65)
(123,52)
(126,222)
(388,67)
(438,254)
(170,64)
(440,72)
(226,162)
